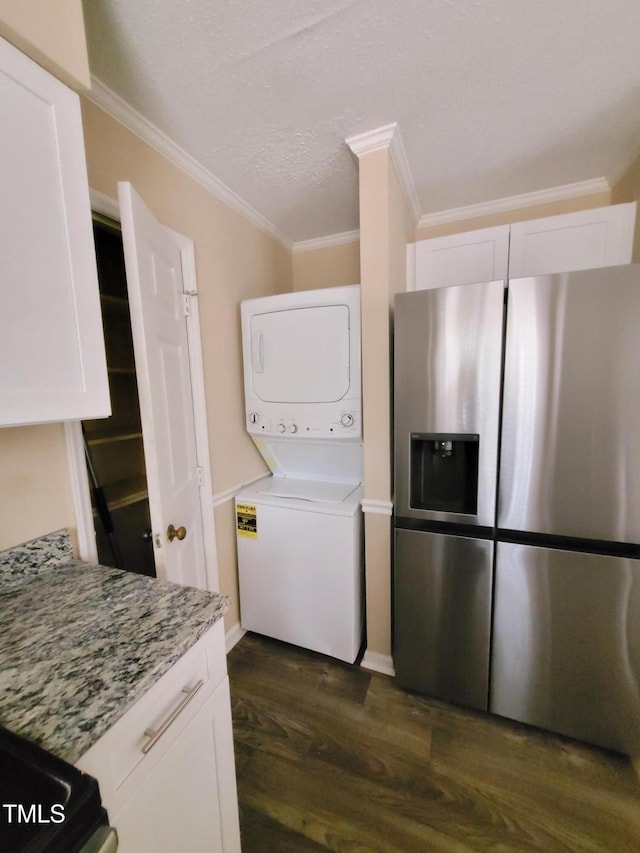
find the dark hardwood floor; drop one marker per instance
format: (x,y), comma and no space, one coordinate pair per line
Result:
(333,757)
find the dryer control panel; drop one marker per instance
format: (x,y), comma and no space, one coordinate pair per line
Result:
(344,422)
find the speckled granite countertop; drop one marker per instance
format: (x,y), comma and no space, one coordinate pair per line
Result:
(79,643)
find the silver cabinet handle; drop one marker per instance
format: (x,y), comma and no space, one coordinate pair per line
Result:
(154,735)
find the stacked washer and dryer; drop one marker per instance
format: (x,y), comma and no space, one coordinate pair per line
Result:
(300,531)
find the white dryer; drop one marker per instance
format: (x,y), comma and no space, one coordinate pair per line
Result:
(300,541)
(302,375)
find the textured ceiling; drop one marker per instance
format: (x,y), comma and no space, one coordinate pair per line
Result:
(493,98)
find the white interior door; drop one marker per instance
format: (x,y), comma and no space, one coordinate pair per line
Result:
(155,281)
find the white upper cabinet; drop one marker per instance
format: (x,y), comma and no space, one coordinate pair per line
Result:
(587,239)
(465,258)
(52,355)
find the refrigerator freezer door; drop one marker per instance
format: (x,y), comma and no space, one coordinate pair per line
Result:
(448,347)
(570,460)
(566,647)
(442,615)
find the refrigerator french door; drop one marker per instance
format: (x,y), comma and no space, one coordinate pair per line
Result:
(448,345)
(566,640)
(533,611)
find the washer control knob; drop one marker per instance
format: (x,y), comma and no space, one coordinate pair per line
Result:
(346,420)
(282,428)
(254,417)
(293,428)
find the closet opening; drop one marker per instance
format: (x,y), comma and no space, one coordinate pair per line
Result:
(113,446)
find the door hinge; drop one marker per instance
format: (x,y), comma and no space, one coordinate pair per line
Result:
(200,475)
(187,296)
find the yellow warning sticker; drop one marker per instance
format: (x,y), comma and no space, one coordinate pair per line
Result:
(247,522)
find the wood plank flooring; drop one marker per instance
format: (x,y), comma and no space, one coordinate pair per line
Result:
(333,757)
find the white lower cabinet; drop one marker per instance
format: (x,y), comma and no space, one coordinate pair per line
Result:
(166,769)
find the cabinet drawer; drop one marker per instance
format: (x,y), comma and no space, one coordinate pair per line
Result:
(145,732)
(159,711)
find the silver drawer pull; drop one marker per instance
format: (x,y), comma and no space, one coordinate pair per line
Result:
(154,735)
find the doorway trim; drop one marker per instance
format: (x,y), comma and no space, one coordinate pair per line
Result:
(103,204)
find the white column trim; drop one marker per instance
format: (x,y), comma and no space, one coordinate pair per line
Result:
(219,498)
(376,507)
(378,663)
(81,491)
(388,136)
(233,636)
(187,254)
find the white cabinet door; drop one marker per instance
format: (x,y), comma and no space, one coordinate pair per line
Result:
(52,355)
(588,239)
(467,258)
(188,801)
(166,768)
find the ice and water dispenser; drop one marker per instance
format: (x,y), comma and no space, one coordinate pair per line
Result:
(444,472)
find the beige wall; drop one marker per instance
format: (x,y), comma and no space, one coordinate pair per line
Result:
(522,214)
(52,33)
(332,266)
(234,261)
(35,494)
(628,189)
(385,229)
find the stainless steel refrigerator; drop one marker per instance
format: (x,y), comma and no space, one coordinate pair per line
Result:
(517,500)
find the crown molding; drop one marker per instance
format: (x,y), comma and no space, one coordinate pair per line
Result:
(372,140)
(388,136)
(326,242)
(126,115)
(514,202)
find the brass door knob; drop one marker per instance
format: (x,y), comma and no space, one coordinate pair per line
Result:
(178,534)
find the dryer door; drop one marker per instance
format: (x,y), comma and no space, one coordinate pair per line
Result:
(301,355)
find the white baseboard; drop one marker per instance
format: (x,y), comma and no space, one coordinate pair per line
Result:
(233,636)
(378,663)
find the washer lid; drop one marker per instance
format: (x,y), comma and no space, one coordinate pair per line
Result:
(306,490)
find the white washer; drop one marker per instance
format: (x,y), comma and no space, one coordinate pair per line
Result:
(300,561)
